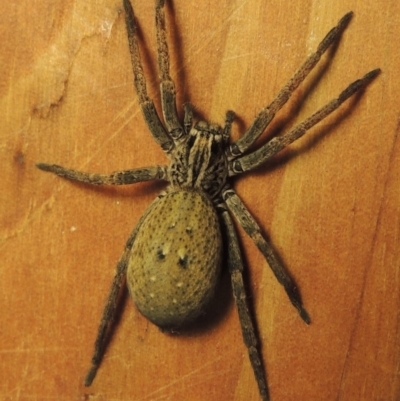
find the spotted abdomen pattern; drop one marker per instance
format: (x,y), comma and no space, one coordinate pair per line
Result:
(175,260)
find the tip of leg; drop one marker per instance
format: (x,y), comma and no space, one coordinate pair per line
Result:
(372,74)
(128,7)
(230,115)
(90,376)
(43,166)
(344,21)
(346,18)
(304,315)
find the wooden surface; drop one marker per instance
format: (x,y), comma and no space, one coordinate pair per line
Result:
(330,203)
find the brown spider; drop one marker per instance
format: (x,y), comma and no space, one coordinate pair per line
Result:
(172,258)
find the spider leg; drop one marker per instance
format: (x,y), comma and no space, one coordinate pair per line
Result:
(267,114)
(265,152)
(229,117)
(112,302)
(235,265)
(148,109)
(188,117)
(117,178)
(168,94)
(246,220)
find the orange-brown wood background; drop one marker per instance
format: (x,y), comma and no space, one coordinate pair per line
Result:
(331,203)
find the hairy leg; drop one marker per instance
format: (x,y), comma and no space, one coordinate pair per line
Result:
(117,178)
(112,302)
(235,265)
(149,111)
(267,114)
(246,220)
(265,152)
(168,94)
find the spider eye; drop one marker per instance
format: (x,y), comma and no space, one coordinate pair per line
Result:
(218,138)
(201,125)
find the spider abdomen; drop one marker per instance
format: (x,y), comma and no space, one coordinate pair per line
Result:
(175,260)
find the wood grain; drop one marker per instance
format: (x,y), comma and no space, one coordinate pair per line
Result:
(330,203)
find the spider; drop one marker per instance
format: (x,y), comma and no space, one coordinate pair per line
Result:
(172,259)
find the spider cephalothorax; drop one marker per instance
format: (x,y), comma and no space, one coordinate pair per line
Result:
(200,161)
(173,257)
